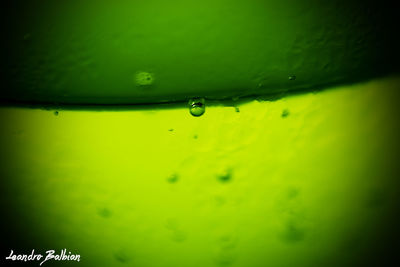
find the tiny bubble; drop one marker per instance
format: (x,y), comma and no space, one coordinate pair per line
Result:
(225,175)
(173,178)
(285,113)
(104,212)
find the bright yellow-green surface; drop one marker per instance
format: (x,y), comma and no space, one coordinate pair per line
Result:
(308,180)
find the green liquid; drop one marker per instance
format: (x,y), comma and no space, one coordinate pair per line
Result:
(307,180)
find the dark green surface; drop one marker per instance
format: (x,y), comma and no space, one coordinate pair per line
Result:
(100,52)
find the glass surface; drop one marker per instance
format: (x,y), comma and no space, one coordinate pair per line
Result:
(230,133)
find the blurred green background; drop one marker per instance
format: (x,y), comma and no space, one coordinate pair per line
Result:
(294,163)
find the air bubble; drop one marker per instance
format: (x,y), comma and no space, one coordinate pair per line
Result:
(197,106)
(173,178)
(224,175)
(144,78)
(285,113)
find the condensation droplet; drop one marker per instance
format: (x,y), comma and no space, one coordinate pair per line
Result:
(197,106)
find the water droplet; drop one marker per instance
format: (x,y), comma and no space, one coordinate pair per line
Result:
(292,77)
(197,106)
(171,130)
(144,78)
(56,113)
